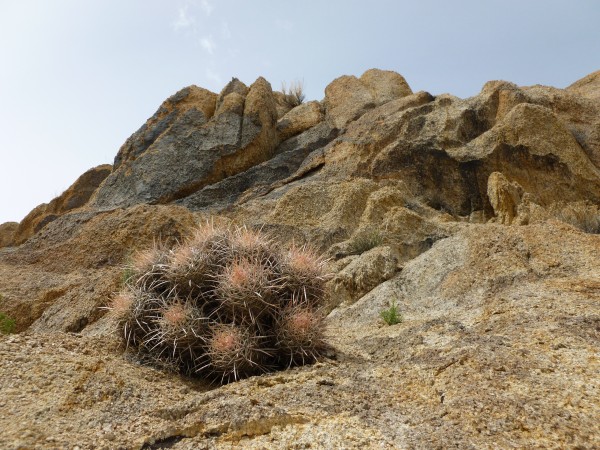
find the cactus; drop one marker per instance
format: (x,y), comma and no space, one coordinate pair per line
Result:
(225,304)
(299,333)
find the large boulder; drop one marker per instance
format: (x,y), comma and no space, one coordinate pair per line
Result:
(76,196)
(7,233)
(194,151)
(299,119)
(190,98)
(385,85)
(60,277)
(348,97)
(588,86)
(504,197)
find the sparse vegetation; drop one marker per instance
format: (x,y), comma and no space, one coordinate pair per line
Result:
(126,275)
(7,324)
(391,316)
(224,305)
(294,94)
(583,215)
(364,241)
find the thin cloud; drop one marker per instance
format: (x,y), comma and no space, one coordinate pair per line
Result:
(284,24)
(208,44)
(206,7)
(184,19)
(214,77)
(225,31)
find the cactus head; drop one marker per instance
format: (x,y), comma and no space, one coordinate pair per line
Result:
(245,289)
(235,352)
(147,268)
(303,273)
(299,334)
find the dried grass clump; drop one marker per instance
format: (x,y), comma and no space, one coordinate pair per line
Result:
(294,94)
(582,214)
(226,304)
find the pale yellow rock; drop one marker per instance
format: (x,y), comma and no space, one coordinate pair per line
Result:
(505,197)
(299,119)
(588,86)
(231,103)
(348,97)
(385,85)
(7,233)
(235,86)
(76,196)
(362,274)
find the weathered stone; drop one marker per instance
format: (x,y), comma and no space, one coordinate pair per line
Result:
(235,86)
(588,86)
(259,179)
(73,266)
(504,197)
(385,85)
(494,317)
(194,153)
(369,270)
(7,233)
(76,196)
(299,119)
(191,97)
(283,106)
(347,97)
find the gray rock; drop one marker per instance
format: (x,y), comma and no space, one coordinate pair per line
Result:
(288,157)
(194,153)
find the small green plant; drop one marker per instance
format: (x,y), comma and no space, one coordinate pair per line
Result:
(294,95)
(391,316)
(126,275)
(365,241)
(7,325)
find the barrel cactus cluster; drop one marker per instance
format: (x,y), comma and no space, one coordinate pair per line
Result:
(226,304)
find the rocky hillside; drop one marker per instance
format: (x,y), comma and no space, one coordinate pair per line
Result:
(478,218)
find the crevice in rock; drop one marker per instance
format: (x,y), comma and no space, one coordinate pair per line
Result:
(167,442)
(225,431)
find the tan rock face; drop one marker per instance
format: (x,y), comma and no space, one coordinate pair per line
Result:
(299,119)
(347,97)
(499,343)
(76,196)
(61,276)
(496,319)
(588,86)
(504,196)
(362,274)
(7,233)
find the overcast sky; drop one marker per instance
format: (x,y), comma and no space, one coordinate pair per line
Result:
(78,77)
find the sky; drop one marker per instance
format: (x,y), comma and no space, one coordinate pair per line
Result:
(77,78)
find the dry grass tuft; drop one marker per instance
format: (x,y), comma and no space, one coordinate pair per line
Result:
(582,214)
(294,94)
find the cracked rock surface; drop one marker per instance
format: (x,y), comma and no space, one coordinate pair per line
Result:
(478,218)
